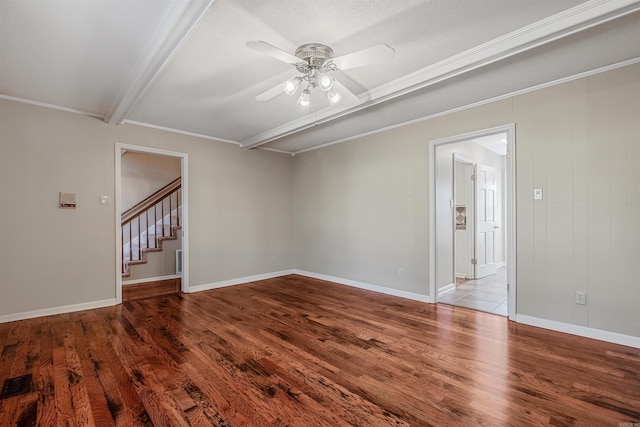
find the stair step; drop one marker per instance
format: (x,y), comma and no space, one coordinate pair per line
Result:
(142,260)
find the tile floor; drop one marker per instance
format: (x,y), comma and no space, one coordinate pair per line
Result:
(486,294)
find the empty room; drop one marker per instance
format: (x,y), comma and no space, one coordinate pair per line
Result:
(320,213)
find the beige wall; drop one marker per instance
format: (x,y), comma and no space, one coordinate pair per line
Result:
(142,174)
(360,208)
(240,207)
(360,211)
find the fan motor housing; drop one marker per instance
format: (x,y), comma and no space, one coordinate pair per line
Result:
(315,54)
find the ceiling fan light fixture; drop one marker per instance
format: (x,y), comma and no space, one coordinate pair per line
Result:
(305,99)
(291,86)
(314,62)
(326,83)
(333,96)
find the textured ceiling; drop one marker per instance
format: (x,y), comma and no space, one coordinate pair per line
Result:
(183,64)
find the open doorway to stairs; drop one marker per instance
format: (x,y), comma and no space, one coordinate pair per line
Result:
(472,219)
(151,207)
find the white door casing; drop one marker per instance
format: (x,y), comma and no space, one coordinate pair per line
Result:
(184,173)
(510,201)
(486,225)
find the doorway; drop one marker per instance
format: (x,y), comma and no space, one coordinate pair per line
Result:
(472,219)
(160,223)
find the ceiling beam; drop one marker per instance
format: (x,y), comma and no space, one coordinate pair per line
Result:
(570,21)
(177,24)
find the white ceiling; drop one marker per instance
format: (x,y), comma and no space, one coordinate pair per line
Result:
(496,143)
(183,64)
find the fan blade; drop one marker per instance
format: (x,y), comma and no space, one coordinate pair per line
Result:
(348,97)
(266,48)
(271,93)
(374,54)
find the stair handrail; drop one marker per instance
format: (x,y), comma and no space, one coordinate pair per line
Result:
(151,200)
(140,210)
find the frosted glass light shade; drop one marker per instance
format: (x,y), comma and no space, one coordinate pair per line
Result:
(333,97)
(326,83)
(291,85)
(305,99)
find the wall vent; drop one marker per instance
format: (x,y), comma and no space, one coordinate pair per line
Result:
(179,261)
(16,386)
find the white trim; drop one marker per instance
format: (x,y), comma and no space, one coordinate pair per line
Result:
(367,286)
(52,106)
(118,219)
(582,331)
(178,22)
(275,150)
(182,132)
(511,229)
(239,281)
(184,171)
(150,279)
(57,310)
(563,24)
(501,264)
(349,138)
(478,104)
(511,206)
(448,288)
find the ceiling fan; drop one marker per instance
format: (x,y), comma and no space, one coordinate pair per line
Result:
(314,62)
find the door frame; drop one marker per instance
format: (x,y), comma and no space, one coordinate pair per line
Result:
(184,173)
(471,214)
(510,131)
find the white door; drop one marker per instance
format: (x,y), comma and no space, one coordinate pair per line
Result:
(486,226)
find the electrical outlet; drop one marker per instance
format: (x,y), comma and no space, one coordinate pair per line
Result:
(400,272)
(581,298)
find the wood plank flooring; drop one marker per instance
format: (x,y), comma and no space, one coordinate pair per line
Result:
(295,351)
(150,289)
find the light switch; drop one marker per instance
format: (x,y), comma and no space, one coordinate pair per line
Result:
(537,194)
(105,200)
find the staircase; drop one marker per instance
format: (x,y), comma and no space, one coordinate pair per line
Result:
(148,224)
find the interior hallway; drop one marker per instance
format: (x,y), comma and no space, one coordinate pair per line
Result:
(487,294)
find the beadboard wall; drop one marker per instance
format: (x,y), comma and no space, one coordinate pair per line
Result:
(361,207)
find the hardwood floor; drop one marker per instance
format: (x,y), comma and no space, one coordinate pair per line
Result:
(304,352)
(150,289)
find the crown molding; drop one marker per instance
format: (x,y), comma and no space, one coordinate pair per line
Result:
(473,105)
(51,106)
(181,132)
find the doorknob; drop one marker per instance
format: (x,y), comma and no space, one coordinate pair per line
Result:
(495,227)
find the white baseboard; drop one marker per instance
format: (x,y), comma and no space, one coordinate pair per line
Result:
(238,281)
(150,279)
(57,310)
(445,289)
(367,286)
(582,331)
